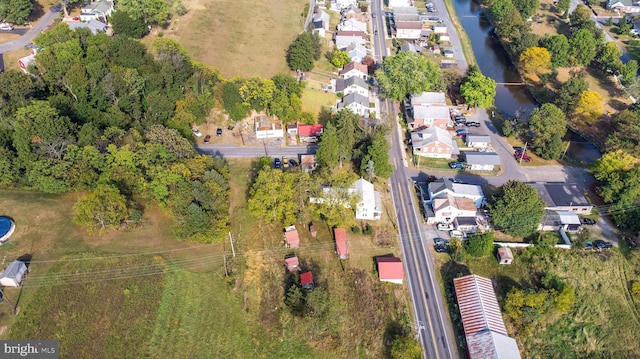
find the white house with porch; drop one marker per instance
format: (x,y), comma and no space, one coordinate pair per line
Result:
(97,10)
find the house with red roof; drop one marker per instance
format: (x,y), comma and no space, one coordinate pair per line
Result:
(306,280)
(309,133)
(390,269)
(340,235)
(293,263)
(354,69)
(291,237)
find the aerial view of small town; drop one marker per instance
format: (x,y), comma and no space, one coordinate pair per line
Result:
(399,179)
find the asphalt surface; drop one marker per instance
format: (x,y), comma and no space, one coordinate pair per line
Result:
(255,152)
(28,37)
(443,14)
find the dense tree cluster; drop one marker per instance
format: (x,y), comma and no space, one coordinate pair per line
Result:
(478,90)
(517,209)
(102,115)
(303,51)
(408,73)
(15,11)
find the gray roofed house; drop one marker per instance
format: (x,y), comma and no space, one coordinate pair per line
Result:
(406,17)
(98,10)
(352,85)
(352,25)
(428,99)
(433,142)
(405,10)
(428,116)
(346,38)
(320,22)
(478,141)
(445,186)
(356,52)
(94,25)
(482,161)
(356,103)
(560,196)
(410,47)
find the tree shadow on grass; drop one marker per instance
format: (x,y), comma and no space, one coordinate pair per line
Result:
(449,271)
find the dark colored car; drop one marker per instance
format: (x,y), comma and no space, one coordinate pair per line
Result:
(373,15)
(440,241)
(473,124)
(293,163)
(219,132)
(599,243)
(518,148)
(455,180)
(587,221)
(207,138)
(589,247)
(442,249)
(277,163)
(463,130)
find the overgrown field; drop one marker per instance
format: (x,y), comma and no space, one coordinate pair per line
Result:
(95,307)
(603,321)
(240,38)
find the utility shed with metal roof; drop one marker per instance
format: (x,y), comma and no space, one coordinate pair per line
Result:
(482,321)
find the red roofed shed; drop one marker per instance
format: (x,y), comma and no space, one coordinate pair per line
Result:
(390,269)
(306,280)
(340,236)
(292,238)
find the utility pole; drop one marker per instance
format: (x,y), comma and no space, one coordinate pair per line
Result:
(232,248)
(565,150)
(224,257)
(523,153)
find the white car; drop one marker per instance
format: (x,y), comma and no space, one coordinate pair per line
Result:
(196,132)
(5,27)
(444,226)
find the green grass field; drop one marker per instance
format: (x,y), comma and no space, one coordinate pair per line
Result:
(603,322)
(240,38)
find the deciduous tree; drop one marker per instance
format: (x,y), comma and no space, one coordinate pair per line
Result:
(547,123)
(580,16)
(103,208)
(535,60)
(478,90)
(583,47)
(339,58)
(377,158)
(589,106)
(15,11)
(479,244)
(526,7)
(609,58)
(257,93)
(408,73)
(301,52)
(558,46)
(569,91)
(517,209)
(563,7)
(153,11)
(272,196)
(123,24)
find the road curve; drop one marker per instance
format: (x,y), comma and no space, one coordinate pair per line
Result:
(40,26)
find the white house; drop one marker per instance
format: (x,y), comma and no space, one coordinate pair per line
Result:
(447,208)
(355,103)
(320,22)
(370,204)
(410,47)
(354,69)
(410,30)
(345,38)
(625,6)
(352,25)
(356,52)
(265,128)
(338,5)
(429,116)
(478,141)
(97,10)
(482,161)
(352,85)
(400,3)
(439,28)
(14,274)
(94,25)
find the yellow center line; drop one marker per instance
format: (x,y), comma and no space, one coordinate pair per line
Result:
(422,292)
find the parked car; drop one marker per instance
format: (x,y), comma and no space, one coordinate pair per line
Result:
(457,234)
(518,148)
(463,130)
(599,243)
(196,132)
(77,18)
(589,246)
(285,162)
(207,138)
(473,124)
(433,18)
(444,226)
(587,221)
(459,165)
(277,163)
(442,249)
(219,132)
(440,241)
(520,155)
(293,163)
(6,27)
(373,15)
(455,180)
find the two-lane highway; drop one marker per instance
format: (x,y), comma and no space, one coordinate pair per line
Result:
(431,320)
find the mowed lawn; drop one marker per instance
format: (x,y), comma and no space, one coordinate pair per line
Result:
(240,38)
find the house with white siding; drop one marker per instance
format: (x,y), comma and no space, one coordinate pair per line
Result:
(354,69)
(352,85)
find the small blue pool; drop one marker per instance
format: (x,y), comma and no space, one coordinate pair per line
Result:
(6,228)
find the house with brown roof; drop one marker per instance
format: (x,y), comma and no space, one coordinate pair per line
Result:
(354,69)
(340,236)
(447,208)
(482,321)
(291,237)
(390,269)
(308,163)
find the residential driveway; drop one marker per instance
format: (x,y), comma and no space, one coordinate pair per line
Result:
(443,14)
(31,34)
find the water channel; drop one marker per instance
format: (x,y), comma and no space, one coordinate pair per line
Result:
(512,99)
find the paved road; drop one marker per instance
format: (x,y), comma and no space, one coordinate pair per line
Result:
(443,14)
(430,319)
(42,24)
(255,152)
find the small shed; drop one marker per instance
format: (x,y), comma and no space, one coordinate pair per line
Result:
(313,230)
(14,274)
(390,269)
(504,255)
(291,237)
(340,235)
(293,264)
(306,280)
